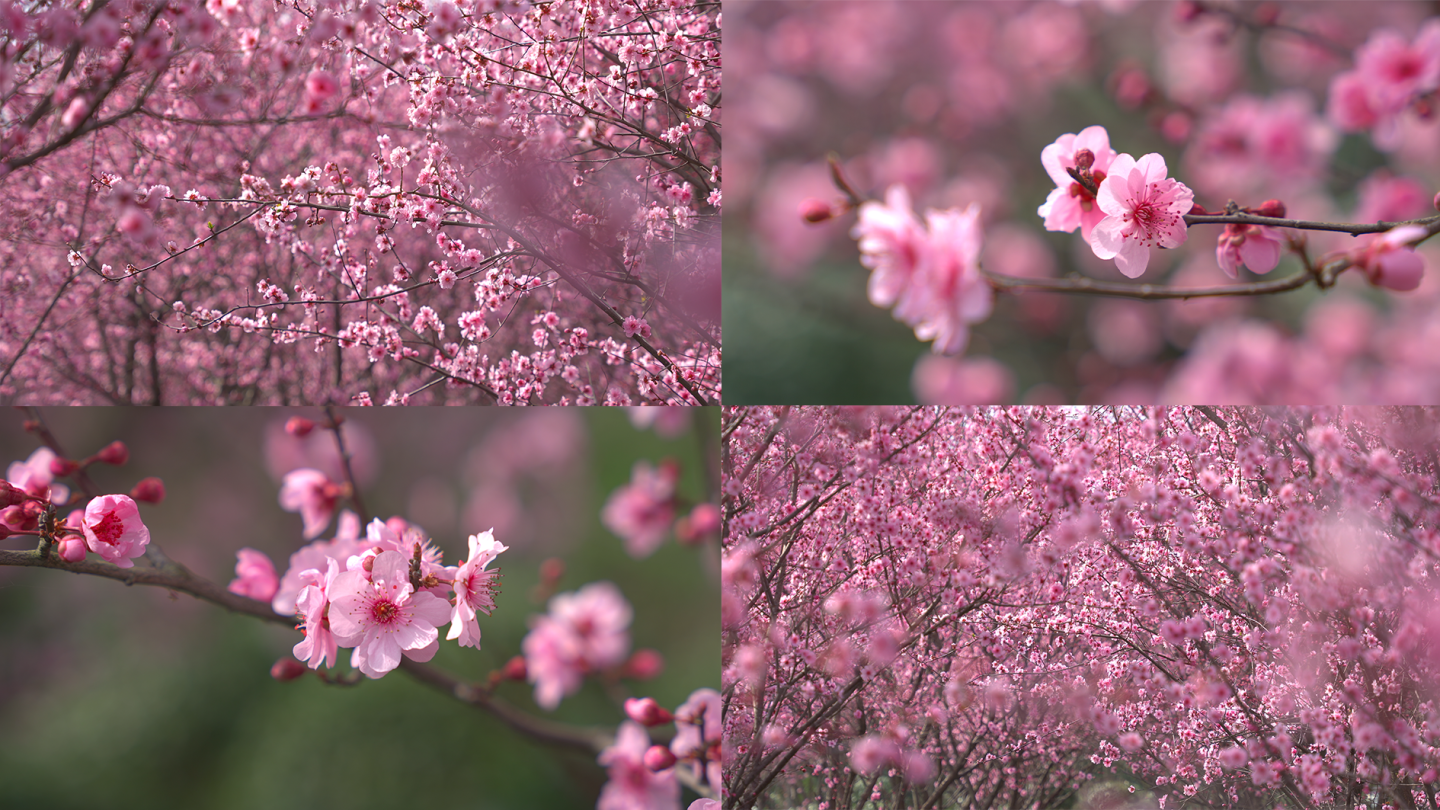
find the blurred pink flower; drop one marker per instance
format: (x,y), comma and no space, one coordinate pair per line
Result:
(584,632)
(1386,198)
(313,495)
(1070,205)
(1389,75)
(1252,144)
(113,529)
(869,754)
(475,589)
(1143,209)
(632,785)
(641,512)
(668,421)
(34,476)
(254,576)
(947,292)
(891,242)
(939,380)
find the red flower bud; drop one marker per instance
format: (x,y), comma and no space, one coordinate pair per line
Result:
(644,664)
(62,466)
(1084,159)
(299,426)
(11,494)
(515,669)
(148,490)
(1271,208)
(813,210)
(114,453)
(287,669)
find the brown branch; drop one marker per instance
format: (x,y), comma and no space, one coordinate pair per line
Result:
(1149,292)
(1432,224)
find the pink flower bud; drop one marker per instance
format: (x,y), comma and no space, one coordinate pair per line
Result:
(644,665)
(114,453)
(1436,203)
(149,490)
(11,494)
(62,466)
(703,521)
(287,669)
(72,548)
(658,758)
(1271,208)
(647,712)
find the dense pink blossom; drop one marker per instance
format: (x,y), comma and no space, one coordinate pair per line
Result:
(113,529)
(642,511)
(382,616)
(633,785)
(475,589)
(1143,209)
(584,632)
(1071,205)
(255,575)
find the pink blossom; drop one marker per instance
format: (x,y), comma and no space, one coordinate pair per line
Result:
(632,785)
(1255,246)
(319,645)
(1143,209)
(1389,75)
(635,326)
(475,589)
(320,86)
(254,576)
(668,421)
(647,712)
(938,380)
(1390,261)
(891,243)
(641,512)
(384,616)
(869,754)
(1130,741)
(584,632)
(313,495)
(113,529)
(1386,198)
(1070,205)
(947,292)
(697,734)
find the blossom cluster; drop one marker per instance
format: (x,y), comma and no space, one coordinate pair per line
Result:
(109,525)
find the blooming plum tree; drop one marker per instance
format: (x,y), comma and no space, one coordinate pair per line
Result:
(353,201)
(385,593)
(994,608)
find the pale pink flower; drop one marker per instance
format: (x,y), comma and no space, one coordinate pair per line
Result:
(632,785)
(383,617)
(918,767)
(319,645)
(891,243)
(254,575)
(641,512)
(1390,261)
(34,476)
(1130,741)
(1389,75)
(346,544)
(113,529)
(313,495)
(1386,198)
(1255,246)
(869,754)
(475,589)
(584,632)
(1070,206)
(947,292)
(1143,209)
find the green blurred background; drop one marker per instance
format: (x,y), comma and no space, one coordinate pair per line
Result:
(116,697)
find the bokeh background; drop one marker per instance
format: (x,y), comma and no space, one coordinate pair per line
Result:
(956,100)
(116,697)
